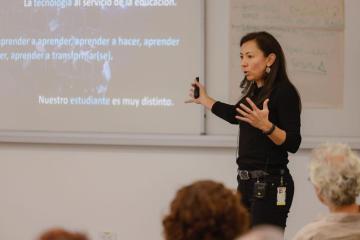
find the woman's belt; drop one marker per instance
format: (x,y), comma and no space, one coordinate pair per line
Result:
(247,174)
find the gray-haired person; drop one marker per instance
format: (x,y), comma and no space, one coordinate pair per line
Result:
(335,175)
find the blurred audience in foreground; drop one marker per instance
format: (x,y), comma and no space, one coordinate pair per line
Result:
(205,210)
(61,234)
(335,175)
(264,232)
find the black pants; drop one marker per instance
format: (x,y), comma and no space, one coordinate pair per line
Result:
(265,210)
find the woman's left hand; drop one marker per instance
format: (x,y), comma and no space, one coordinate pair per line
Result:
(255,117)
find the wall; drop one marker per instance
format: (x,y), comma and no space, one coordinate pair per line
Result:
(125,190)
(112,188)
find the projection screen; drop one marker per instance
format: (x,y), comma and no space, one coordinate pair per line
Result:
(100,66)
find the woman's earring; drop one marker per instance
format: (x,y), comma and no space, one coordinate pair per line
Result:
(268,70)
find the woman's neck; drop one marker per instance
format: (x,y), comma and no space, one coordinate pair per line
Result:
(353,208)
(259,83)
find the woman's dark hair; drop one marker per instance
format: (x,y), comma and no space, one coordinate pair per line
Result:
(267,44)
(205,210)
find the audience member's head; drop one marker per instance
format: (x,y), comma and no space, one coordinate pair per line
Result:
(205,210)
(61,234)
(335,174)
(264,232)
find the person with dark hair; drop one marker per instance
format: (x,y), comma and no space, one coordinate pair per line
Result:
(61,234)
(205,210)
(268,115)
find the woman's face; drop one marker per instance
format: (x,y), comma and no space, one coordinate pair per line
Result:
(253,62)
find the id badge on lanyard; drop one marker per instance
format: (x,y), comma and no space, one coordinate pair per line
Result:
(281,194)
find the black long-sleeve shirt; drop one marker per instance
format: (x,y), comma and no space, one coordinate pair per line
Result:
(255,149)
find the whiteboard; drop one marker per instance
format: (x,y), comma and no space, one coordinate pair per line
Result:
(321,45)
(311,33)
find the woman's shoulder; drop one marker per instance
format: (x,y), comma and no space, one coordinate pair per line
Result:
(285,90)
(311,230)
(285,86)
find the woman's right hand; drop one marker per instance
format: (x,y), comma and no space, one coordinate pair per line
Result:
(203,98)
(202,94)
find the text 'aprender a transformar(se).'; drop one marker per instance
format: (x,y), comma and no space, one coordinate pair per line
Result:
(98,3)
